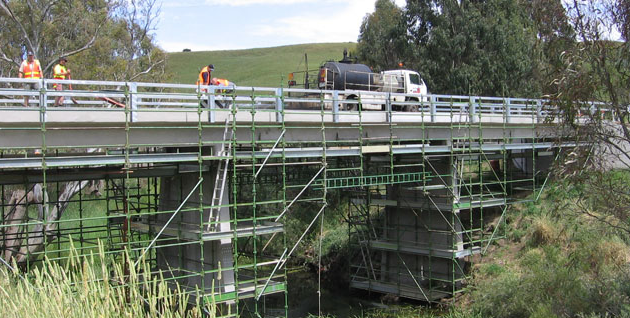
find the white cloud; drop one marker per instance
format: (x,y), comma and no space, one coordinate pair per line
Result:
(340,26)
(238,3)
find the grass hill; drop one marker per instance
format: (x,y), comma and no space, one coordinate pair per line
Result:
(254,67)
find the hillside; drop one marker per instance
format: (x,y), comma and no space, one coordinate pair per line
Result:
(253,67)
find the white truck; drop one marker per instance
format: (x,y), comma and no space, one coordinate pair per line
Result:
(359,86)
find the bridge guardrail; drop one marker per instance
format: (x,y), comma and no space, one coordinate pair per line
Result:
(138,97)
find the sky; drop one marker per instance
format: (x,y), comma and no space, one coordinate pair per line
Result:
(208,25)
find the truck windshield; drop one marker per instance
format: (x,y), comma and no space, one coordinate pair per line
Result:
(415,79)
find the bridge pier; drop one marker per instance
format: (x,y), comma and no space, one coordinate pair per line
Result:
(419,247)
(417,239)
(203,257)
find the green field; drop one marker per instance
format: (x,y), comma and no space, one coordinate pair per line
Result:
(267,67)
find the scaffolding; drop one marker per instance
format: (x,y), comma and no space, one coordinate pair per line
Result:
(202,181)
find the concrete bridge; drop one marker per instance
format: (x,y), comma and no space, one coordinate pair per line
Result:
(201,180)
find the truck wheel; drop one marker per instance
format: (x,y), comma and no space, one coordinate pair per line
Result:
(353,106)
(411,108)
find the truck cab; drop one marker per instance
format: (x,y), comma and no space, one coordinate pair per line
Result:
(413,83)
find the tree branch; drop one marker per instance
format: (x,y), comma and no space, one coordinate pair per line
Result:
(88,45)
(4,5)
(148,70)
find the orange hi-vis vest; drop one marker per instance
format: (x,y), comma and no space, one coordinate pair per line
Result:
(201,80)
(31,70)
(221,82)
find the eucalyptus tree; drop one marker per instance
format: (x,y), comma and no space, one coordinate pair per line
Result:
(485,47)
(473,47)
(105,40)
(111,35)
(382,40)
(593,94)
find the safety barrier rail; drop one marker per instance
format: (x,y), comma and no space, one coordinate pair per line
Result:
(138,97)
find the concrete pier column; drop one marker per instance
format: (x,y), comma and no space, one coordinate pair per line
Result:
(196,250)
(421,247)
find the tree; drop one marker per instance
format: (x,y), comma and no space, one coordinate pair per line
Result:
(473,47)
(484,47)
(23,243)
(51,29)
(554,36)
(127,50)
(593,95)
(382,41)
(107,39)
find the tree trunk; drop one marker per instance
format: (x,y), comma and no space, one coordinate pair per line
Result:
(15,244)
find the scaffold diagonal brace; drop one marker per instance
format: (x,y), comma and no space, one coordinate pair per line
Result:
(300,194)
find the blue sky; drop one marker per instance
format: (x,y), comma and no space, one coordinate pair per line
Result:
(203,25)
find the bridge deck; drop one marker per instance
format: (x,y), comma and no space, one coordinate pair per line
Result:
(173,114)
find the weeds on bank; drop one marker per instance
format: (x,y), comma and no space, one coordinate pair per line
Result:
(91,286)
(559,263)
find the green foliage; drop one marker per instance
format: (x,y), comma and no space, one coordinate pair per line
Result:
(105,39)
(476,48)
(555,36)
(382,41)
(91,286)
(567,265)
(491,269)
(266,67)
(48,28)
(492,47)
(415,312)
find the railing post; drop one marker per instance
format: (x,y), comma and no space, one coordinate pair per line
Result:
(335,107)
(388,107)
(472,109)
(133,100)
(432,107)
(212,105)
(279,105)
(43,105)
(508,110)
(538,111)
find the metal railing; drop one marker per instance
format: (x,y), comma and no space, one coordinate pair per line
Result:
(144,97)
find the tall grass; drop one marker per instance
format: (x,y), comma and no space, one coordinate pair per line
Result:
(91,286)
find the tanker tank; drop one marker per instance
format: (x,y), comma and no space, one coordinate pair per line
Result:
(350,76)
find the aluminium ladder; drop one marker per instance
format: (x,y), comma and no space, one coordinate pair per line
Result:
(219,181)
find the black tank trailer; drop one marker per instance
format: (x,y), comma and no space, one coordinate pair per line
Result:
(345,76)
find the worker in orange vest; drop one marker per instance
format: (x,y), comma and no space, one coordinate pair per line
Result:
(205,76)
(60,72)
(30,68)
